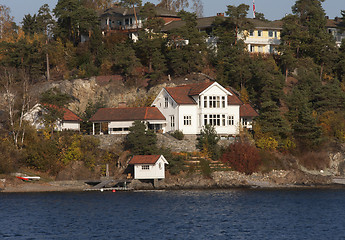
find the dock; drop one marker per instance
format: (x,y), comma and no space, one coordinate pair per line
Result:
(109,185)
(339,180)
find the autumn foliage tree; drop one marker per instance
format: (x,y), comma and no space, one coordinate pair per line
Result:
(242,156)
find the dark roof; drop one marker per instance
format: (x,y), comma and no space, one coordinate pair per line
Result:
(248,111)
(127,114)
(278,24)
(333,23)
(161,12)
(144,159)
(207,22)
(183,94)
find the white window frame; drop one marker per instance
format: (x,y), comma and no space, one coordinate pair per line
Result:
(166,102)
(231,120)
(172,122)
(187,120)
(145,167)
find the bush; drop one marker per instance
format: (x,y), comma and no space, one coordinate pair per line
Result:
(242,157)
(208,142)
(10,156)
(205,168)
(178,135)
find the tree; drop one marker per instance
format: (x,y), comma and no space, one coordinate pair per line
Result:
(17,102)
(140,140)
(187,51)
(132,3)
(150,44)
(6,24)
(73,19)
(198,8)
(237,16)
(54,102)
(98,4)
(208,142)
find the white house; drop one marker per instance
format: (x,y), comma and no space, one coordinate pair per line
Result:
(189,108)
(119,120)
(70,120)
(149,166)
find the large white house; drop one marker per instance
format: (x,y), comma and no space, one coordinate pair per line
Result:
(149,166)
(189,108)
(70,120)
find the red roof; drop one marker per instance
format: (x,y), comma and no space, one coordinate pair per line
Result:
(127,114)
(144,159)
(183,94)
(68,115)
(233,100)
(248,111)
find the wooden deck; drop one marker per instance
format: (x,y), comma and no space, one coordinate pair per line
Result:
(109,185)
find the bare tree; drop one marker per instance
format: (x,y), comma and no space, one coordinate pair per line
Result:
(198,8)
(17,102)
(180,5)
(167,4)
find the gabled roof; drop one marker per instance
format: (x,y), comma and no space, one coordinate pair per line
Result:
(118,10)
(127,114)
(144,159)
(183,94)
(246,110)
(68,115)
(233,99)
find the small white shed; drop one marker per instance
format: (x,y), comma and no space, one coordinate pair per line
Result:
(149,166)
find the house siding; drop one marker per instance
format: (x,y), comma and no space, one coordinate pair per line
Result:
(154,172)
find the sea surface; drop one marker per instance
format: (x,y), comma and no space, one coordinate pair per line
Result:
(207,214)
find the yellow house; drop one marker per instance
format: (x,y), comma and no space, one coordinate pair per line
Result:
(265,37)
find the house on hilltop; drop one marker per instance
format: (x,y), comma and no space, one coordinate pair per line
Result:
(119,120)
(70,120)
(121,19)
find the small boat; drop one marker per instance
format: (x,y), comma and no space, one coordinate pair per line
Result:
(28,179)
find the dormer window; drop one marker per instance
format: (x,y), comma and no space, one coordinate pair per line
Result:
(166,103)
(223,101)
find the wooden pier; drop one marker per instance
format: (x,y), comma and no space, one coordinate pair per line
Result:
(109,185)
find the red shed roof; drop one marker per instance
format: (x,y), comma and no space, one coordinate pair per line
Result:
(144,159)
(248,111)
(127,114)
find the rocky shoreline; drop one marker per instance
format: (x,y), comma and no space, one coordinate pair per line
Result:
(218,180)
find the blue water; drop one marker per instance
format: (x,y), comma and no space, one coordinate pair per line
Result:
(214,214)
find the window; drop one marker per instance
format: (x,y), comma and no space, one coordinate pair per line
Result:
(145,167)
(223,120)
(270,33)
(172,122)
(187,120)
(160,165)
(252,48)
(214,119)
(230,120)
(214,101)
(251,33)
(244,121)
(205,119)
(205,101)
(218,101)
(275,34)
(259,33)
(199,101)
(223,102)
(166,103)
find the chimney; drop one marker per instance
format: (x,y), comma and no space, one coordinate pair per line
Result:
(220,14)
(122,104)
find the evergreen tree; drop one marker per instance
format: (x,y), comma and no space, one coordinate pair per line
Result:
(187,47)
(208,141)
(306,132)
(140,140)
